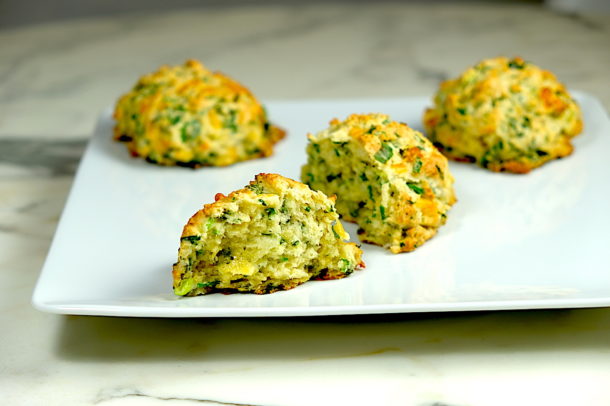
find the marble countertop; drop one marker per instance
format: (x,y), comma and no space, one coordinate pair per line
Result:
(56,78)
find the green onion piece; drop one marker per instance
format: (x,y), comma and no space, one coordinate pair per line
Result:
(414,187)
(383,213)
(385,153)
(440,172)
(516,64)
(191,238)
(210,284)
(345,265)
(230,121)
(190,130)
(256,188)
(417,166)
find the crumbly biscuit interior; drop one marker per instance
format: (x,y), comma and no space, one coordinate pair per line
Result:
(264,242)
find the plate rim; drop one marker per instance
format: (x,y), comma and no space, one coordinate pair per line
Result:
(97,309)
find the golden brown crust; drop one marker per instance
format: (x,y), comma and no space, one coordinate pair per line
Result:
(388,178)
(505,115)
(192,117)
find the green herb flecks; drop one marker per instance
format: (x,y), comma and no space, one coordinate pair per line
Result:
(270,211)
(440,172)
(337,236)
(492,154)
(225,252)
(191,238)
(264,203)
(210,284)
(190,130)
(283,259)
(497,147)
(516,64)
(370,189)
(345,265)
(307,208)
(230,121)
(383,213)
(174,117)
(184,287)
(512,123)
(210,223)
(254,151)
(385,153)
(417,165)
(256,188)
(461,110)
(415,187)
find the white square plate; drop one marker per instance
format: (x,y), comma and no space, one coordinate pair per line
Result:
(511,242)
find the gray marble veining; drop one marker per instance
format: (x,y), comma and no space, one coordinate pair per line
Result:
(42,156)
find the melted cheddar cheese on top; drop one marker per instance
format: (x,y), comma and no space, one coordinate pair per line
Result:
(505,115)
(272,235)
(189,116)
(388,178)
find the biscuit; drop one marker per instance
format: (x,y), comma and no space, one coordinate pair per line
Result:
(272,235)
(189,116)
(505,115)
(388,178)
